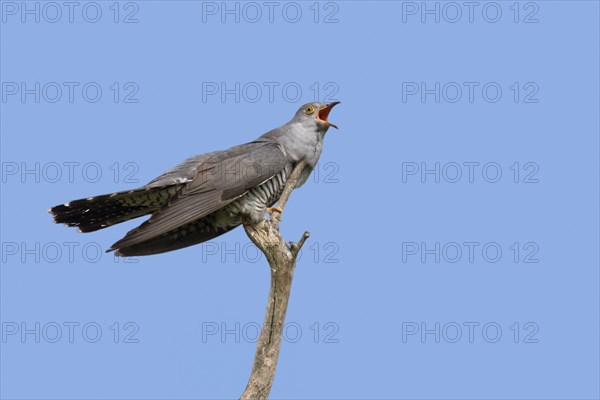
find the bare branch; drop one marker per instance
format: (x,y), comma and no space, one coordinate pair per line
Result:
(282,260)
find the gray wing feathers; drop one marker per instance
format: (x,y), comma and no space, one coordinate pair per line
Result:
(219,179)
(182,173)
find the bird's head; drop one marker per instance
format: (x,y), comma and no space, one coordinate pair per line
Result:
(315,114)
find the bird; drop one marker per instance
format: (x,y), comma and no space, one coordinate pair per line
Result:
(208,194)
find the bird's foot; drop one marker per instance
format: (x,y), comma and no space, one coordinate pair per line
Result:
(271,210)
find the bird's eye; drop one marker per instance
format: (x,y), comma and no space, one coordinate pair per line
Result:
(309,110)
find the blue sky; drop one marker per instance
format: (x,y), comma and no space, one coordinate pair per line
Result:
(453,216)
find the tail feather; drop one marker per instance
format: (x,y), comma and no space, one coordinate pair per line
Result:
(99,212)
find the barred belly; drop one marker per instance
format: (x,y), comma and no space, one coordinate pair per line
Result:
(255,202)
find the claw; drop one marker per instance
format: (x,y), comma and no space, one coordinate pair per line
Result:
(271,210)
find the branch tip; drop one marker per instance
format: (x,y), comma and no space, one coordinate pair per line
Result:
(295,247)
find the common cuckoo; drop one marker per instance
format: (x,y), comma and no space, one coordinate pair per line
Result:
(209,194)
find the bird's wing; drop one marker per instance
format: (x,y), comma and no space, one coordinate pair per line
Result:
(219,180)
(181,173)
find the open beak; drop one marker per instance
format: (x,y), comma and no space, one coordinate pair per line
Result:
(323,113)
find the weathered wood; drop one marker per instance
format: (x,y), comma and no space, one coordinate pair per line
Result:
(282,261)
